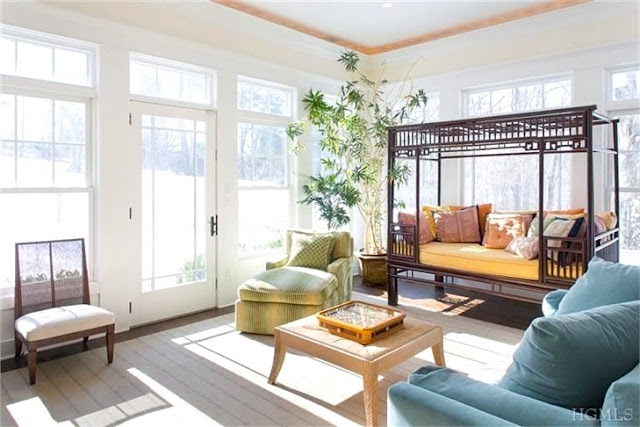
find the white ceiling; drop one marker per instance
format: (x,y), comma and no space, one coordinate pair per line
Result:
(367,23)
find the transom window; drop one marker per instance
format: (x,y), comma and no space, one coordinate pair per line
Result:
(625,85)
(45,58)
(258,97)
(161,78)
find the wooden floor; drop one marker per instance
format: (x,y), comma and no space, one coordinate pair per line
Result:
(474,305)
(203,372)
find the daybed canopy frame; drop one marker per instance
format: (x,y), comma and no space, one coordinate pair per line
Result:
(567,130)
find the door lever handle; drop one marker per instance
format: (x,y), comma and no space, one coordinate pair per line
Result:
(214,225)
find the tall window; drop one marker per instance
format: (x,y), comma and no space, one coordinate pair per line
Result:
(264,204)
(510,182)
(623,102)
(46,184)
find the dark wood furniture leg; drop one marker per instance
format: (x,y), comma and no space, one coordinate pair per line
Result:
(110,341)
(31,362)
(18,342)
(439,279)
(392,287)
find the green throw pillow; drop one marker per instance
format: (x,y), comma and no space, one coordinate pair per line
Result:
(311,250)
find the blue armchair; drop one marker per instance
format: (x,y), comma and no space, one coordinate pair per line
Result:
(435,396)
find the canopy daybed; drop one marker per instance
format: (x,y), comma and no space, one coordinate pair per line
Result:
(560,260)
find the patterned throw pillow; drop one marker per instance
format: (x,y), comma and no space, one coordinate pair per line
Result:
(428,212)
(525,247)
(425,235)
(459,226)
(501,229)
(311,250)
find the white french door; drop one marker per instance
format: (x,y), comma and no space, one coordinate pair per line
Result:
(176,192)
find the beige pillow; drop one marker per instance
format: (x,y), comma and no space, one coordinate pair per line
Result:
(459,226)
(501,229)
(525,247)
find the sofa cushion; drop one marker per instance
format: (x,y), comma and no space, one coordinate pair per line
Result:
(292,285)
(622,402)
(571,360)
(521,410)
(604,283)
(501,229)
(424,234)
(460,226)
(58,321)
(311,250)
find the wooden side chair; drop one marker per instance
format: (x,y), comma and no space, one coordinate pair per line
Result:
(52,299)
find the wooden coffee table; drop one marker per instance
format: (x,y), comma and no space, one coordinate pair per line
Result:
(369,360)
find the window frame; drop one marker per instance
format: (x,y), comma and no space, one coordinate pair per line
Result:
(53,90)
(52,41)
(181,67)
(264,119)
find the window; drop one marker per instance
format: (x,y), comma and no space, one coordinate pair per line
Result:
(42,57)
(506,181)
(161,78)
(429,113)
(263,165)
(45,148)
(624,85)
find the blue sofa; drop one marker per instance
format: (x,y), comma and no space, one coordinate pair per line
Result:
(582,354)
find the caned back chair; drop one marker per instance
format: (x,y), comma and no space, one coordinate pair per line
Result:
(52,298)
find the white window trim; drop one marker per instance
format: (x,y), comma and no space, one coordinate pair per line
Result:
(180,67)
(53,41)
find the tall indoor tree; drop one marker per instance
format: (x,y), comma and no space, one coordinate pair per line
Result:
(353,146)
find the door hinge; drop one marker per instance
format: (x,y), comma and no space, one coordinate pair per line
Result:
(130,118)
(214,225)
(130,213)
(130,308)
(216,283)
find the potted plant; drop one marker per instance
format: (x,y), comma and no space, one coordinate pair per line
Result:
(353,146)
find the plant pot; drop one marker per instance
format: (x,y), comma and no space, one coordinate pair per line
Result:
(373,268)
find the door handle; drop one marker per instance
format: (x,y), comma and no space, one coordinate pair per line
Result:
(214,225)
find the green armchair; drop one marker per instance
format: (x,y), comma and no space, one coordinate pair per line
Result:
(284,293)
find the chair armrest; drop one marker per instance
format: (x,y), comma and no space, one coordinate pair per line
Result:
(277,264)
(409,405)
(342,269)
(494,400)
(551,302)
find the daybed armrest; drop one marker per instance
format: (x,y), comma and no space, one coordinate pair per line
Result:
(279,263)
(551,302)
(497,401)
(342,269)
(408,405)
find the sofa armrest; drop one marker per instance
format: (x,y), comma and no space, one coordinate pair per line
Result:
(342,269)
(494,400)
(551,302)
(279,263)
(409,405)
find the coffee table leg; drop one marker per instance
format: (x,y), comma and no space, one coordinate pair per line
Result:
(438,354)
(370,379)
(278,358)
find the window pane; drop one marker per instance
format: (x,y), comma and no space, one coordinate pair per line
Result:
(629,220)
(262,232)
(7,117)
(263,99)
(261,155)
(501,101)
(71,67)
(70,122)
(529,97)
(35,119)
(70,165)
(35,217)
(35,166)
(479,103)
(7,56)
(7,164)
(35,61)
(557,94)
(167,82)
(624,85)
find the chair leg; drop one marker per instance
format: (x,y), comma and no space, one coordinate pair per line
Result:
(18,342)
(31,363)
(85,341)
(110,341)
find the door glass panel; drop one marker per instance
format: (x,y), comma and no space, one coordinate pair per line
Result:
(173,202)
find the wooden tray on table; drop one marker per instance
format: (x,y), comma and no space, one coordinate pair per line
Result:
(360,321)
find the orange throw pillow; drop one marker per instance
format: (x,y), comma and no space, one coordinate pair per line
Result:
(459,226)
(483,211)
(501,229)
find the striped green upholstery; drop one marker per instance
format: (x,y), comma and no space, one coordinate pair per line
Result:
(283,293)
(262,317)
(291,285)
